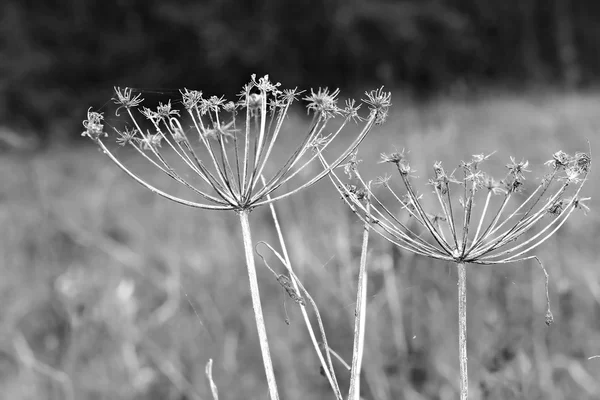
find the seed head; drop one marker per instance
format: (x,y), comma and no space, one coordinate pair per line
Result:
(94,128)
(323,103)
(231,156)
(379,104)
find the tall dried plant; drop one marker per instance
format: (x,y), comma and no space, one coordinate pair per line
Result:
(500,237)
(227,154)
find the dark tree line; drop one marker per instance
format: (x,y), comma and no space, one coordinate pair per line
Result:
(58,57)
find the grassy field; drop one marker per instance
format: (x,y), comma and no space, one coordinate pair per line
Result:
(114,293)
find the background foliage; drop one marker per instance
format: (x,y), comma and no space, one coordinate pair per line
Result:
(57,57)
(113,293)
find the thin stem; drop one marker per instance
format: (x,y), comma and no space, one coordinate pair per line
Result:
(258,314)
(360,317)
(462,330)
(327,368)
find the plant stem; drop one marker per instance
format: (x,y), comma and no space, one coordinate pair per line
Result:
(258,314)
(360,319)
(327,365)
(462,330)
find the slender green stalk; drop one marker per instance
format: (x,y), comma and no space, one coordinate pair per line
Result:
(360,317)
(256,305)
(462,330)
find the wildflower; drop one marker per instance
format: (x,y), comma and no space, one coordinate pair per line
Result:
(234,176)
(516,169)
(351,165)
(578,203)
(232,166)
(125,100)
(94,128)
(503,239)
(559,160)
(165,110)
(379,104)
(191,98)
(351,111)
(492,185)
(394,158)
(323,103)
(126,136)
(150,142)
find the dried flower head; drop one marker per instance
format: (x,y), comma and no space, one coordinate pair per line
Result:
(323,103)
(504,239)
(230,155)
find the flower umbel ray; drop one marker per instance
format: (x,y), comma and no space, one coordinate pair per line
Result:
(227,145)
(500,234)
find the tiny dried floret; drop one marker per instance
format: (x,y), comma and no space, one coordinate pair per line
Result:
(165,110)
(408,203)
(277,103)
(230,107)
(382,180)
(513,184)
(150,114)
(319,142)
(477,177)
(379,104)
(359,193)
(351,111)
(438,170)
(213,104)
(404,168)
(254,103)
(291,95)
(557,207)
(124,99)
(94,128)
(394,158)
(571,175)
(126,136)
(221,131)
(351,166)
(323,103)
(582,161)
(264,84)
(493,185)
(151,142)
(478,159)
(191,98)
(560,160)
(578,203)
(177,133)
(517,168)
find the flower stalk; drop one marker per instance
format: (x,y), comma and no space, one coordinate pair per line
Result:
(222,159)
(503,237)
(360,318)
(256,305)
(462,330)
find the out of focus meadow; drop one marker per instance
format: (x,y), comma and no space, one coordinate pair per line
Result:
(115,293)
(109,292)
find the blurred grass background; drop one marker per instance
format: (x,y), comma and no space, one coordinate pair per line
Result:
(114,293)
(109,292)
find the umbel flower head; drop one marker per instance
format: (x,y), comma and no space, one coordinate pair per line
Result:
(229,152)
(455,233)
